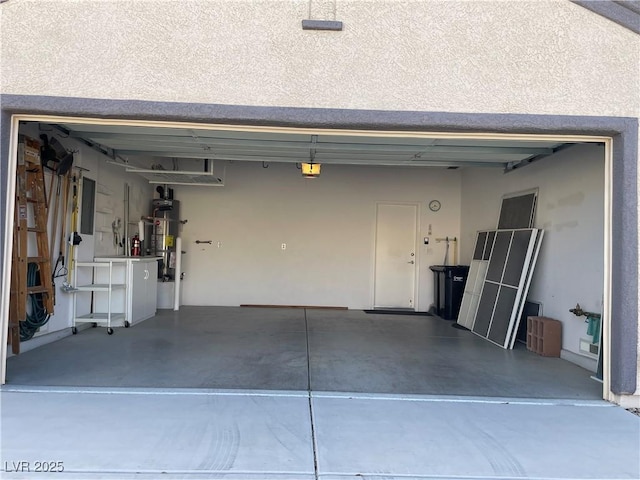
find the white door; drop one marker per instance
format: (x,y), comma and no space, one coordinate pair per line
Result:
(395,263)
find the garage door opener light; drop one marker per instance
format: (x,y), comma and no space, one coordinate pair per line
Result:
(311,170)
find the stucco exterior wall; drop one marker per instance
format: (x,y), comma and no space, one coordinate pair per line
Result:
(635,402)
(551,57)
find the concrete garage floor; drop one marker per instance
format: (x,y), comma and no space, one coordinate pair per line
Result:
(428,411)
(294,349)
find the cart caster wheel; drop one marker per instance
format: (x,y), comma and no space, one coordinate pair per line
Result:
(110,331)
(94,325)
(126,324)
(74,330)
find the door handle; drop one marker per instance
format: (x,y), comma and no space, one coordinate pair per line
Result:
(411,262)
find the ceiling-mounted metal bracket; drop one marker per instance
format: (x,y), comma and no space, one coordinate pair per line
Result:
(332,25)
(312,150)
(511,166)
(95,146)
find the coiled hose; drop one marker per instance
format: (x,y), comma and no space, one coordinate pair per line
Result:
(36,315)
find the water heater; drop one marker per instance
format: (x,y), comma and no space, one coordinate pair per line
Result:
(162,235)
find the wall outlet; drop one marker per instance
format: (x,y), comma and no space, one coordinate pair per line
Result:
(284,246)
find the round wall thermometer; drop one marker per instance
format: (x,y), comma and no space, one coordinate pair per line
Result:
(434,205)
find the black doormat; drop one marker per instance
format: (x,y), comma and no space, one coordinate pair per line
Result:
(398,312)
(459,327)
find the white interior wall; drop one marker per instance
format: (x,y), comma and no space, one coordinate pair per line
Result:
(570,209)
(328,225)
(113,178)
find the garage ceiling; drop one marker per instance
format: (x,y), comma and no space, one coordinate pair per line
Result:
(133,145)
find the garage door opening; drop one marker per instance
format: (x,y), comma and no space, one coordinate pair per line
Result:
(255,231)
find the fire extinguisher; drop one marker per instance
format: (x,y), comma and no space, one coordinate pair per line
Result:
(135,246)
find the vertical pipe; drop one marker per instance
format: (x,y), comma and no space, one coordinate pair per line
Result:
(178,274)
(125,240)
(455,251)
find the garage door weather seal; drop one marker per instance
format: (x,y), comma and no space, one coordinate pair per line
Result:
(397,312)
(156,391)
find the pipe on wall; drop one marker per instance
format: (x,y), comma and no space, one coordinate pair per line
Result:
(178,275)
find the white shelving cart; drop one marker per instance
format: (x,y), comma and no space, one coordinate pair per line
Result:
(100,291)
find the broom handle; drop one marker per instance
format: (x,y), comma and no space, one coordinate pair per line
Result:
(65,205)
(54,222)
(50,195)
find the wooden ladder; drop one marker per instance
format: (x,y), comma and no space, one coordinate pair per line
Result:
(30,190)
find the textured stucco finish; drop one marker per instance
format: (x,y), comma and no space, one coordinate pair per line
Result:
(551,57)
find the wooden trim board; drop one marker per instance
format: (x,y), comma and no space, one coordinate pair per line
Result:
(315,307)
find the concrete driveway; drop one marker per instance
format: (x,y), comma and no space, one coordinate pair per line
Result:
(100,433)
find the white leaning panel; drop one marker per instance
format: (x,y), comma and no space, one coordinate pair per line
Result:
(472,291)
(475,279)
(527,282)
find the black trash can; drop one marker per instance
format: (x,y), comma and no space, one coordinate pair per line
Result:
(449,285)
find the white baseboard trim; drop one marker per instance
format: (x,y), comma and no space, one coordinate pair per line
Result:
(580,360)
